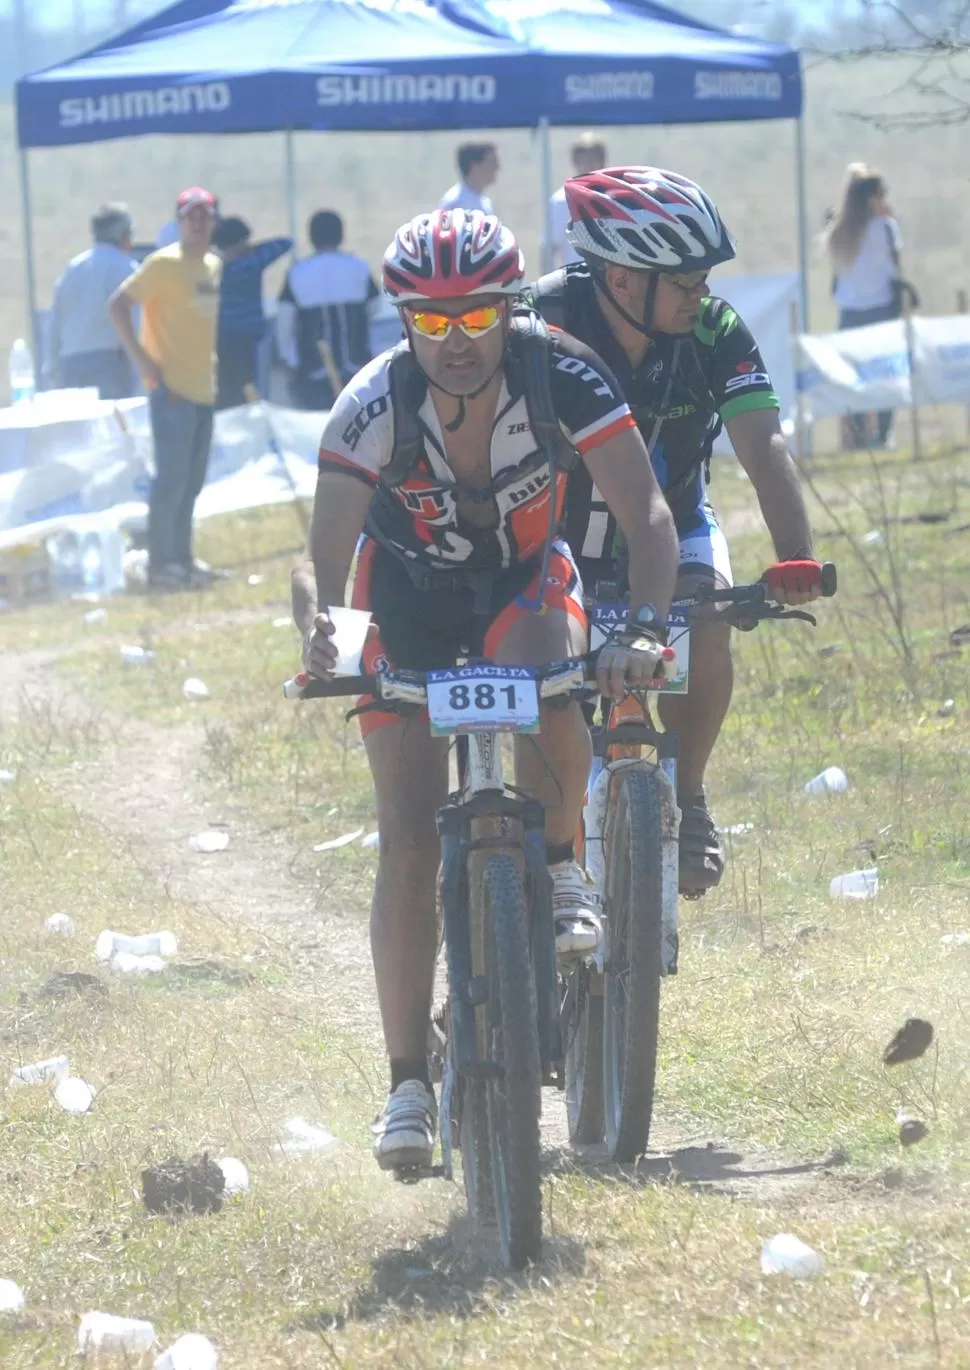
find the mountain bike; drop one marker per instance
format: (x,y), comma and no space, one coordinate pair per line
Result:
(501,1020)
(610,998)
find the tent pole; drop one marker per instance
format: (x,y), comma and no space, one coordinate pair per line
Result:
(802,202)
(291,188)
(27,223)
(545,190)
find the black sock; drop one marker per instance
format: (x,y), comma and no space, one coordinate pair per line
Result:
(559,851)
(404,1069)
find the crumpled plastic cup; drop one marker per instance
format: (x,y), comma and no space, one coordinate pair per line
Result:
(194,688)
(12,1298)
(833,780)
(109,943)
(209,841)
(128,963)
(237,1176)
(113,1335)
(74,1095)
(856,885)
(785,1254)
(41,1072)
(61,923)
(191,1352)
(349,636)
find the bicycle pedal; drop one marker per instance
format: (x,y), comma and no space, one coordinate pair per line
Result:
(414,1174)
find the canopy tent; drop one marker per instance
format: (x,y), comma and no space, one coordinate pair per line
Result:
(235,66)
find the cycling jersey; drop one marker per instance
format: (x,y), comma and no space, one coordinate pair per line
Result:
(690,384)
(419,520)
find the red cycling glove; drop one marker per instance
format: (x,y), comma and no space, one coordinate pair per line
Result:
(793,577)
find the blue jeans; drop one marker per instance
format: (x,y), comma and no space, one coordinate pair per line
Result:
(182,431)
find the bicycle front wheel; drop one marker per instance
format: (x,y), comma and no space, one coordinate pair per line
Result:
(631,998)
(514,1081)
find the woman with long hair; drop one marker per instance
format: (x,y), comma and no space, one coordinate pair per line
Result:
(864,242)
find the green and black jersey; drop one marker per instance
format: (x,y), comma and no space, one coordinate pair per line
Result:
(690,384)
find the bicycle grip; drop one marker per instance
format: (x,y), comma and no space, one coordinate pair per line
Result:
(830,579)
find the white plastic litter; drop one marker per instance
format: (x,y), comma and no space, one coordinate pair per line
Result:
(336,842)
(283,623)
(254,580)
(6,777)
(737,829)
(114,1335)
(873,538)
(303,1137)
(371,840)
(194,688)
(191,1352)
(237,1176)
(787,1255)
(127,963)
(41,1072)
(74,1095)
(947,709)
(856,885)
(95,616)
(833,780)
(132,654)
(145,944)
(61,923)
(955,939)
(209,841)
(12,1297)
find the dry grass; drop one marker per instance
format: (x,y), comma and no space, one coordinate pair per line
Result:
(375,181)
(772,1033)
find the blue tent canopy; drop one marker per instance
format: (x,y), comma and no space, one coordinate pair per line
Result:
(234,66)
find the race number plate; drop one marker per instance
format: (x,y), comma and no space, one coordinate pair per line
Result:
(483,699)
(604,616)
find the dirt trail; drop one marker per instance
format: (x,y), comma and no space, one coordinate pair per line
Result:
(142,788)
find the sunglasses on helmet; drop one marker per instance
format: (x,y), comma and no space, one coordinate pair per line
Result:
(474,323)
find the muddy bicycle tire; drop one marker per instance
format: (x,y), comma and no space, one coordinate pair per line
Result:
(513,1086)
(633,968)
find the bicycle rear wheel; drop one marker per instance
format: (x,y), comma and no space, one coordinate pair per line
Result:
(513,1086)
(631,998)
(582,1038)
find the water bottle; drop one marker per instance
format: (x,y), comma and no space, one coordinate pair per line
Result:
(92,562)
(65,560)
(20,369)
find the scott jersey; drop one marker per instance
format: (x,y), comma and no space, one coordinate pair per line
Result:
(679,394)
(420,519)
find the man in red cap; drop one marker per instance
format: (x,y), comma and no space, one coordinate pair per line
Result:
(178,291)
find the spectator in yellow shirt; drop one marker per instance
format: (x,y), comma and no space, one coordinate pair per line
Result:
(178,291)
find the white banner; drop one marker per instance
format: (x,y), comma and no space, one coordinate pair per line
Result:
(101,462)
(861,369)
(764,303)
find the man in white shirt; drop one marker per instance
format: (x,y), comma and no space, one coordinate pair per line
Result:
(323,316)
(588,154)
(82,346)
(477,169)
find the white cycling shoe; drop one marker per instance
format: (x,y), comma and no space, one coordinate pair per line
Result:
(575,910)
(405,1133)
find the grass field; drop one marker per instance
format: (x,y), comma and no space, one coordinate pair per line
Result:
(774,1110)
(375,181)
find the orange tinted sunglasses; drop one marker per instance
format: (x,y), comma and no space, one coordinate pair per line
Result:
(473,323)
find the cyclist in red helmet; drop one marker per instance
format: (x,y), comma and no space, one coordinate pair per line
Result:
(686,364)
(429,454)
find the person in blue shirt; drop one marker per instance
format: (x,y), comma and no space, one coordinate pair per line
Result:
(242,323)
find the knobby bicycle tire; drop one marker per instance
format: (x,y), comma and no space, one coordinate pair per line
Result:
(582,1038)
(513,1089)
(631,990)
(476,1157)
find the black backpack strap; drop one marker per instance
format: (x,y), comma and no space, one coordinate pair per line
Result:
(408,387)
(548,297)
(531,350)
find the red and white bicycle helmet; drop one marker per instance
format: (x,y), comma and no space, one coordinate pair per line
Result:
(644,217)
(451,253)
